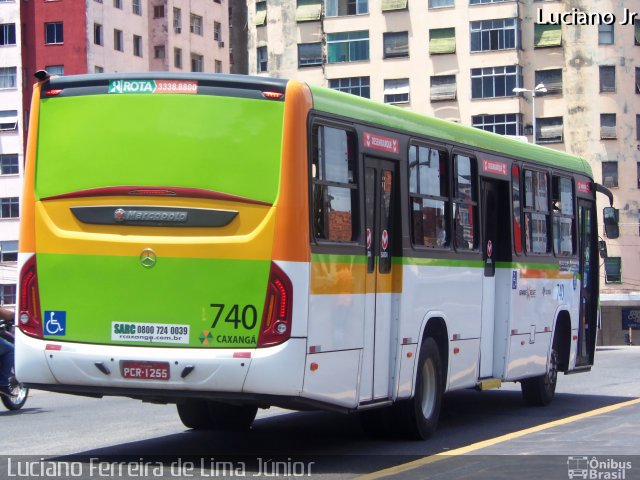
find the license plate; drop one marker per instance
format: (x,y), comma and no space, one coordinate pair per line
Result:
(144,370)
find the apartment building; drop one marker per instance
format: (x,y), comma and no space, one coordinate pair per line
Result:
(461,59)
(11,151)
(95,36)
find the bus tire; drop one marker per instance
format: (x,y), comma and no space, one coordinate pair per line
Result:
(224,416)
(417,417)
(194,414)
(539,391)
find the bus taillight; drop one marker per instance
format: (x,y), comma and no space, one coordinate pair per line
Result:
(29,319)
(276,319)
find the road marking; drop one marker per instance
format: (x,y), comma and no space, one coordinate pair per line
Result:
(493,441)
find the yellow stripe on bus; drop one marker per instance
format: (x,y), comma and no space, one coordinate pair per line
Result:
(58,231)
(341,278)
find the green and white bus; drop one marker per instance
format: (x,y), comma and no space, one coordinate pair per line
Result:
(228,243)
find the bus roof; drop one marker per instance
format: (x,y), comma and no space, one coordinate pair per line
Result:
(365,110)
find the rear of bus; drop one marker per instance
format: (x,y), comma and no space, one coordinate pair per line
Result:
(150,264)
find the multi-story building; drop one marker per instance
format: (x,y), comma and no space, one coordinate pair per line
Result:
(93,36)
(460,60)
(11,150)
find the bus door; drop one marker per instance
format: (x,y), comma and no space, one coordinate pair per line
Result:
(588,284)
(380,323)
(496,238)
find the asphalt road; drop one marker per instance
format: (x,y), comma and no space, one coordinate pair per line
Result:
(64,427)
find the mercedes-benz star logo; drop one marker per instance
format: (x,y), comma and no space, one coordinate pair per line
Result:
(148,258)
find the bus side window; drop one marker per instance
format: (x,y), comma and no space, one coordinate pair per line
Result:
(536,211)
(517,209)
(563,216)
(465,205)
(429,192)
(335,193)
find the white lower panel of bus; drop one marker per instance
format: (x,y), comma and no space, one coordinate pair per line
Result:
(333,378)
(214,370)
(527,359)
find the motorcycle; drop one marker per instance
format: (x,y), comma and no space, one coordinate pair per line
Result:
(15,396)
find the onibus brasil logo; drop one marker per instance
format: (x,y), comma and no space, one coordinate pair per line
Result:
(597,469)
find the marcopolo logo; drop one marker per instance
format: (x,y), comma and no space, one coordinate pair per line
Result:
(132,86)
(597,469)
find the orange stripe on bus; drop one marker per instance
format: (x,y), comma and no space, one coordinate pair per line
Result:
(540,273)
(27,204)
(291,241)
(332,278)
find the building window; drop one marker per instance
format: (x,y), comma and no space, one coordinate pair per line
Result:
(637,127)
(117,4)
(607,126)
(9,207)
(636,24)
(396,44)
(9,251)
(551,79)
(8,77)
(335,186)
(137,45)
(610,174)
(98,34)
(348,46)
(550,130)
(54,33)
(195,24)
(158,11)
(177,58)
(197,63)
(7,34)
(442,41)
(607,79)
(177,20)
(536,211)
(547,35)
(217,31)
(261,14)
(494,82)
(429,196)
(443,87)
(159,52)
(55,69)
(638,174)
(309,54)
(563,217)
(637,79)
(440,3)
(605,34)
(136,7)
(308,10)
(8,293)
(502,124)
(477,2)
(497,34)
(98,69)
(118,43)
(465,203)
(396,90)
(613,270)
(359,86)
(9,165)
(218,66)
(8,120)
(338,8)
(262,59)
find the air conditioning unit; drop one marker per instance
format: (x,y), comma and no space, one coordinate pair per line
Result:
(177,29)
(221,44)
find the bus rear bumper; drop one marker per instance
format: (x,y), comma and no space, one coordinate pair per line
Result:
(268,370)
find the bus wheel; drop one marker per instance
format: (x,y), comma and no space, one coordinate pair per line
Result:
(194,414)
(539,391)
(224,416)
(418,416)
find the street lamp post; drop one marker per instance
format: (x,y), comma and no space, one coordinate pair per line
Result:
(540,88)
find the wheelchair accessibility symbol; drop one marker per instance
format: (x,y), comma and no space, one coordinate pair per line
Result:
(55,323)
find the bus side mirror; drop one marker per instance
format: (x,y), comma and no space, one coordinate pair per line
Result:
(610,215)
